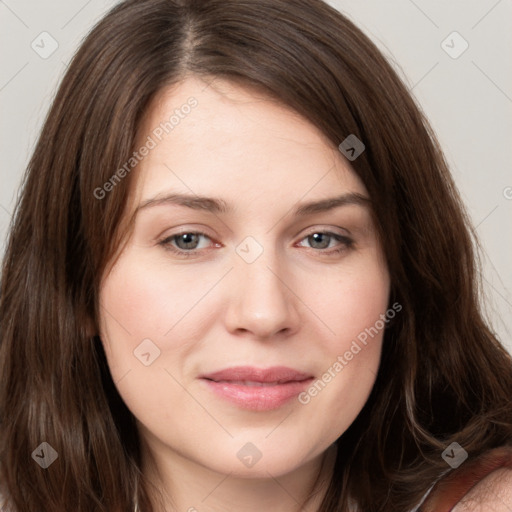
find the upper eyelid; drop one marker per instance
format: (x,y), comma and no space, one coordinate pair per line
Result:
(205,233)
(312,229)
(328,230)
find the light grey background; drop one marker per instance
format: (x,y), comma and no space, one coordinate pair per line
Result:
(466,96)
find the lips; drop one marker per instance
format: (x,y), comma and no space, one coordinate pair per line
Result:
(273,375)
(257,389)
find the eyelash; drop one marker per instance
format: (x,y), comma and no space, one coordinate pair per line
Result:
(347,243)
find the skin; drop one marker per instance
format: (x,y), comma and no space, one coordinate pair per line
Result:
(492,494)
(295,305)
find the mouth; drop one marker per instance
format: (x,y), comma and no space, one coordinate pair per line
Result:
(257,389)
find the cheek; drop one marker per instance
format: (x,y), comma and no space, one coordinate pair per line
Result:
(144,330)
(140,297)
(356,310)
(145,298)
(354,304)
(140,302)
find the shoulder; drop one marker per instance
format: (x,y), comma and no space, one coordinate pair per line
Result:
(482,483)
(492,494)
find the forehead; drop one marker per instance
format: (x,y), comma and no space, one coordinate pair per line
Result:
(236,143)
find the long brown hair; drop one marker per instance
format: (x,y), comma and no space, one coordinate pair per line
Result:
(443,376)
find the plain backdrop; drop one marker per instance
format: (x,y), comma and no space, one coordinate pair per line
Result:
(454,56)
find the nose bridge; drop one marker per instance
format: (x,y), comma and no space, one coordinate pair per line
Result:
(261,301)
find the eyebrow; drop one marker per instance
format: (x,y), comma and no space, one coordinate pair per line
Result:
(217,206)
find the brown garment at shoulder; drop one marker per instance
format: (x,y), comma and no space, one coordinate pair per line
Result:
(452,488)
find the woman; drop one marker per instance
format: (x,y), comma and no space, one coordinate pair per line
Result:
(240,276)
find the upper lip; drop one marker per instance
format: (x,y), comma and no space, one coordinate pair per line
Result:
(249,373)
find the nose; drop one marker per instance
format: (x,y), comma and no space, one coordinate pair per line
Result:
(261,299)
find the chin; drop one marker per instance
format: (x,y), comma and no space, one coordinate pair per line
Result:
(262,459)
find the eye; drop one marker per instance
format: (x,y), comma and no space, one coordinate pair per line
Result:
(186,243)
(322,240)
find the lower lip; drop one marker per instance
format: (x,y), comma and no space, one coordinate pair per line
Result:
(258,398)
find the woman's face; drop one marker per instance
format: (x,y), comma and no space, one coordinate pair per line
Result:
(239,263)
